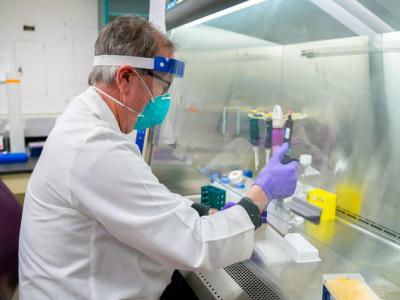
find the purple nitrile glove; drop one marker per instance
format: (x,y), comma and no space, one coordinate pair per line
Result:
(228,205)
(276,179)
(264,217)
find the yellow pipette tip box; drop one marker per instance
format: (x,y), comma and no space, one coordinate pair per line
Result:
(326,201)
(346,287)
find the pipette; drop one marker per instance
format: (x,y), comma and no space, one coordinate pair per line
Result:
(287,131)
(268,138)
(277,129)
(255,137)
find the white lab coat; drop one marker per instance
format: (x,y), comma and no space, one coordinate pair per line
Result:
(97,224)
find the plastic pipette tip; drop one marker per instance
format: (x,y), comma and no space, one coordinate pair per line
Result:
(267,155)
(256,157)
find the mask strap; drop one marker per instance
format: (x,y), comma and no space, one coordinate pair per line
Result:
(145,85)
(117,102)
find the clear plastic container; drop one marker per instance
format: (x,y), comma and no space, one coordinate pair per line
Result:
(309,177)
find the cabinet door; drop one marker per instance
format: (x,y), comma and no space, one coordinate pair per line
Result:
(30,62)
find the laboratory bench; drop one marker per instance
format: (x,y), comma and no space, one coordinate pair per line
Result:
(17,168)
(343,248)
(16,176)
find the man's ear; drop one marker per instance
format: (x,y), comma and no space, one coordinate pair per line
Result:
(124,75)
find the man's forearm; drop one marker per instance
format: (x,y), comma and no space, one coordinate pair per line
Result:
(258,196)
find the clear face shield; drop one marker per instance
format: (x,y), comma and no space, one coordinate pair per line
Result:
(175,70)
(166,74)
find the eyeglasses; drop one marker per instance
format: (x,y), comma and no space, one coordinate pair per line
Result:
(167,83)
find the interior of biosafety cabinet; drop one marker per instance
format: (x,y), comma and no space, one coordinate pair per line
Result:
(333,66)
(340,83)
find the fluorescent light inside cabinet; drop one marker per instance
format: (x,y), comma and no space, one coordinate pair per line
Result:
(224,12)
(344,17)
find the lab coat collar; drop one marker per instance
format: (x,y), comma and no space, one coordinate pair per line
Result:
(103,109)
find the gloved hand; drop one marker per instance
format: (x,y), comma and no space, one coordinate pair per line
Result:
(228,205)
(276,179)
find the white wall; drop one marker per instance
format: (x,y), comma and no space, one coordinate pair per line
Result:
(55,58)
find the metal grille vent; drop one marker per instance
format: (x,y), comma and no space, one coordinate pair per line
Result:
(209,286)
(251,284)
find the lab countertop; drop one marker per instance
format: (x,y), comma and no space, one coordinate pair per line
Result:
(14,168)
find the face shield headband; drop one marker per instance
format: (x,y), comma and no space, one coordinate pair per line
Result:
(157,64)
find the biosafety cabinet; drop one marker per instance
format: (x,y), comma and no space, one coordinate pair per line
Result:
(335,65)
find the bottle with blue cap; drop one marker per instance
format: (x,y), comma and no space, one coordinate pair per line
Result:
(248,173)
(239,185)
(225,180)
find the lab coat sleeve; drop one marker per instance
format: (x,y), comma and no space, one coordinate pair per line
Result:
(187,201)
(114,186)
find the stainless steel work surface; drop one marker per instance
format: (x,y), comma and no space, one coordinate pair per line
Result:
(343,248)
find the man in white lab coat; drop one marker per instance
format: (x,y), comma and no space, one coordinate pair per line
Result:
(97,224)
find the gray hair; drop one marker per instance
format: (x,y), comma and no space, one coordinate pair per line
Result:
(129,35)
